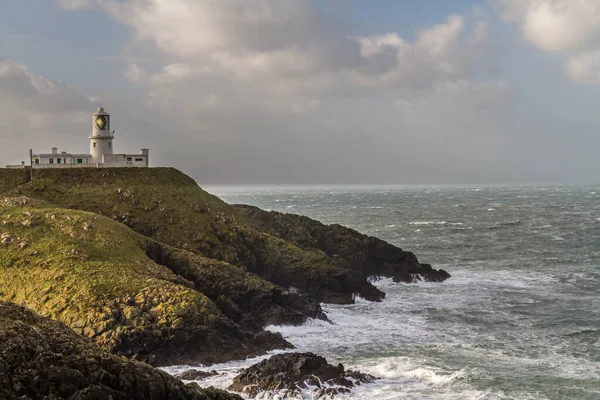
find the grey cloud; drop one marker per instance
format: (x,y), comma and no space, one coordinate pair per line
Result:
(279,92)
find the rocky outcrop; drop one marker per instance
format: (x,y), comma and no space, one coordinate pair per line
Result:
(195,375)
(43,359)
(94,275)
(148,265)
(169,207)
(366,255)
(291,374)
(249,301)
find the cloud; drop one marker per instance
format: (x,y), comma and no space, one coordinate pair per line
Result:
(585,67)
(570,27)
(35,111)
(268,91)
(253,84)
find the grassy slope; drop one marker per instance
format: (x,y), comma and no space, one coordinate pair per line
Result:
(11,178)
(170,207)
(94,275)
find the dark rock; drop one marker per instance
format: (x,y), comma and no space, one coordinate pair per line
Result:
(290,373)
(363,257)
(195,375)
(43,359)
(241,296)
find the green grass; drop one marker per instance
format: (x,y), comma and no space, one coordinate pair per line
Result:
(11,178)
(93,274)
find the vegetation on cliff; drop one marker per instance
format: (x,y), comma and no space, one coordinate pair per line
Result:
(133,295)
(168,206)
(43,359)
(148,265)
(366,255)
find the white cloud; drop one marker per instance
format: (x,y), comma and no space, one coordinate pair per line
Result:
(585,67)
(254,84)
(556,25)
(571,27)
(268,56)
(370,46)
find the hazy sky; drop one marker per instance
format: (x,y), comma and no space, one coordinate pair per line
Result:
(312,92)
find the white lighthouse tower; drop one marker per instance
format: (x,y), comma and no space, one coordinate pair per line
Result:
(102,137)
(101,151)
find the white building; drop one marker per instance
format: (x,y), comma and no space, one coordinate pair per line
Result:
(101,151)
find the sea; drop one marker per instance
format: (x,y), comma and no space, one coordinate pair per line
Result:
(519,319)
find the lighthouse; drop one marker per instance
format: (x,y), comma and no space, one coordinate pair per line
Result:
(101,154)
(101,140)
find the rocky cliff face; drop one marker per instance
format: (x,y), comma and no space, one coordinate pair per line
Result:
(148,265)
(133,295)
(168,206)
(43,359)
(366,256)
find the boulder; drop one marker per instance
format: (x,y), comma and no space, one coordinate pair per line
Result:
(291,374)
(195,375)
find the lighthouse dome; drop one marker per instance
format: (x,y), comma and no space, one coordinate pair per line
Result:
(100,112)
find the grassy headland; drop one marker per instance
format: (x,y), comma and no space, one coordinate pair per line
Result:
(148,265)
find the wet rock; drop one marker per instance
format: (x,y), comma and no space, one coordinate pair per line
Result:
(290,374)
(195,375)
(43,359)
(363,256)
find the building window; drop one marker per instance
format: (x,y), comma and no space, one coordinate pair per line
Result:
(128,158)
(52,161)
(94,144)
(139,159)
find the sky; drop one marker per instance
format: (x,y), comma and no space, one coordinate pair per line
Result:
(301,92)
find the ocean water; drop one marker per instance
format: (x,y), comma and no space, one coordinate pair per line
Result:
(519,319)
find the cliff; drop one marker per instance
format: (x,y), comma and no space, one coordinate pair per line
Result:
(148,265)
(366,255)
(43,359)
(168,206)
(133,295)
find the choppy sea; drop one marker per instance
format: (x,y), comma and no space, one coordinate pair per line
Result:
(519,319)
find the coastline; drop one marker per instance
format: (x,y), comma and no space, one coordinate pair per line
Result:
(194,279)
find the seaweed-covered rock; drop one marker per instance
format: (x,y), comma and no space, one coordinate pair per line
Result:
(366,255)
(43,359)
(292,373)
